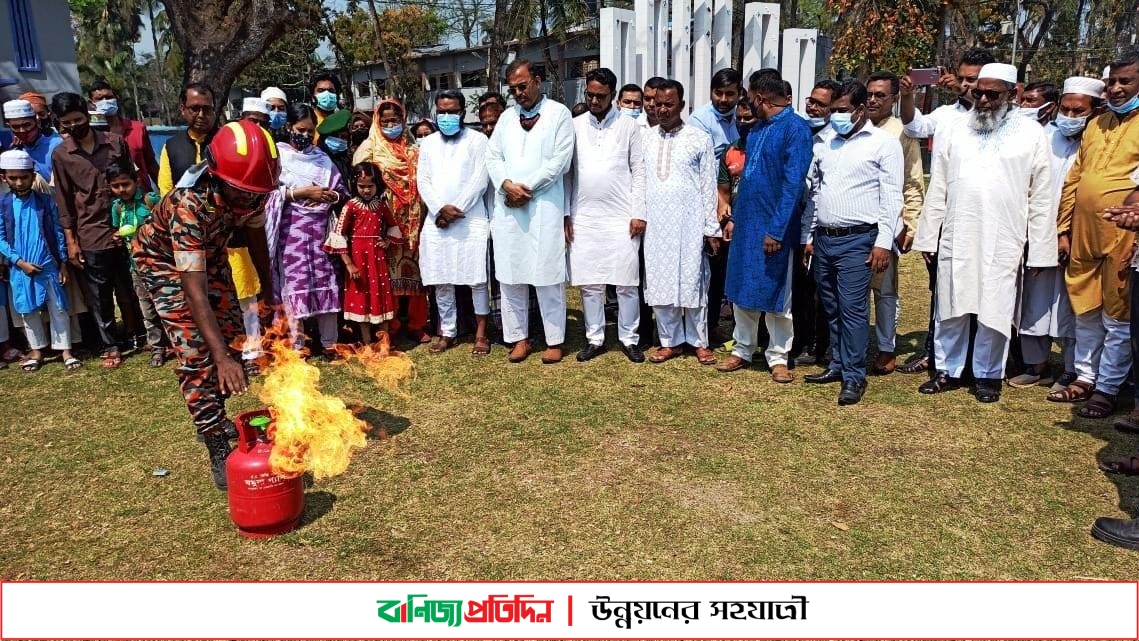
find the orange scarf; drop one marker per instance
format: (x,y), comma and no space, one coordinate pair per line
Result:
(397,162)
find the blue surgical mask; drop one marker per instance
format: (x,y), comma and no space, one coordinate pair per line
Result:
(326,101)
(107,107)
(632,113)
(336,145)
(277,120)
(1127,107)
(1069,126)
(842,123)
(814,121)
(391,133)
(449,124)
(532,111)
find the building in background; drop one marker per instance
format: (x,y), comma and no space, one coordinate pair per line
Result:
(37,48)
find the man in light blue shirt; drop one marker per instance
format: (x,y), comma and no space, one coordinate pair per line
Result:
(718,120)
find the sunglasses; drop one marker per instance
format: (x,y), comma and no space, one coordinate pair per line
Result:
(992,95)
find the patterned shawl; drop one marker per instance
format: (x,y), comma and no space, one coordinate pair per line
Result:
(397,161)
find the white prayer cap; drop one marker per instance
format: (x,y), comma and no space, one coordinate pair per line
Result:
(16,159)
(18,109)
(999,71)
(255,104)
(1083,85)
(271,93)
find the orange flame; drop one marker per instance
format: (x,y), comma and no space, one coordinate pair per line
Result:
(386,367)
(311,431)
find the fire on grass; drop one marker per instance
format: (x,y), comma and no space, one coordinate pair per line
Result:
(312,431)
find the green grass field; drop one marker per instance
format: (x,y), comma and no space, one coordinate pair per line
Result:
(601,471)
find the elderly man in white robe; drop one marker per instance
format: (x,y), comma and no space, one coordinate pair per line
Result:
(452,248)
(608,193)
(680,207)
(1046,315)
(527,159)
(990,193)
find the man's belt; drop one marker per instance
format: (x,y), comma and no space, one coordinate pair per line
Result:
(846,231)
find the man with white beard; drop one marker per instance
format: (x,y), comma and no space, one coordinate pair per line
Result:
(990,192)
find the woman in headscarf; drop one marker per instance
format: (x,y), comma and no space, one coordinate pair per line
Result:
(297,219)
(390,147)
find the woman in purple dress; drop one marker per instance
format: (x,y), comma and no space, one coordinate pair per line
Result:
(297,218)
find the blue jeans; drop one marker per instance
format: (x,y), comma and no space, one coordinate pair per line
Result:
(843,277)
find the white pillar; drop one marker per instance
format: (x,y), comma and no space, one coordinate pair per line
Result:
(721,34)
(701,53)
(682,49)
(800,51)
(761,37)
(618,39)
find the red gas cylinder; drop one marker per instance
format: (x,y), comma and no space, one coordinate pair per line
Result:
(261,503)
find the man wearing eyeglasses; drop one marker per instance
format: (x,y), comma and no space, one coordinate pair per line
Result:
(527,159)
(184,149)
(990,193)
(936,124)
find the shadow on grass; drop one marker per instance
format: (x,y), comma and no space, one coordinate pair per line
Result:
(1117,445)
(382,424)
(317,504)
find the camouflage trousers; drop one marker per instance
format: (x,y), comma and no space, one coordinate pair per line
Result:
(197,374)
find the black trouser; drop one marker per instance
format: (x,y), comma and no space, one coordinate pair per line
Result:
(718,273)
(931,269)
(107,277)
(811,329)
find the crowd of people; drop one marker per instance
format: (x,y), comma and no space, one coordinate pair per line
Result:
(346,224)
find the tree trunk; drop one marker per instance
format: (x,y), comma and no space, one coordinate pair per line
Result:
(347,67)
(219,38)
(557,91)
(158,62)
(494,52)
(1031,47)
(392,82)
(738,39)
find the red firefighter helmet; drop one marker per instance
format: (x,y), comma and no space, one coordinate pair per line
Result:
(245,156)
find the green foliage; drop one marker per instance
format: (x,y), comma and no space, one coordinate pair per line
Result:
(871,35)
(288,62)
(106,31)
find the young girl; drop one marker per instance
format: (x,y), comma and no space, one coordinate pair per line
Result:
(365,228)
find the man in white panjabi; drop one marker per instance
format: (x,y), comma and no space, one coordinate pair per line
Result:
(680,208)
(1046,313)
(990,192)
(527,159)
(452,248)
(608,194)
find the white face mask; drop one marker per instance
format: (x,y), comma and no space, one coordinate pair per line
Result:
(1034,112)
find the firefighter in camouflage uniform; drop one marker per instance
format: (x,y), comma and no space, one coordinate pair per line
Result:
(181,256)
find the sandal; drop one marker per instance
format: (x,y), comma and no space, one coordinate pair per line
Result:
(442,344)
(482,347)
(251,368)
(158,357)
(1098,406)
(112,360)
(1074,393)
(11,354)
(72,364)
(1126,466)
(32,365)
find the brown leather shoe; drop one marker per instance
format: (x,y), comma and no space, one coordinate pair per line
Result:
(665,354)
(732,364)
(884,363)
(780,374)
(522,349)
(705,356)
(553,354)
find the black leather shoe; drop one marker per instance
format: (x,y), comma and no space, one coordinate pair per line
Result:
(590,352)
(824,377)
(940,383)
(1122,533)
(988,391)
(852,392)
(633,352)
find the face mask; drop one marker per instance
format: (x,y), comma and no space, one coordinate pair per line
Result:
(78,132)
(277,119)
(326,101)
(358,136)
(336,145)
(842,123)
(1070,126)
(107,107)
(391,133)
(743,128)
(1127,107)
(815,122)
(299,141)
(449,124)
(28,137)
(1034,112)
(531,112)
(630,112)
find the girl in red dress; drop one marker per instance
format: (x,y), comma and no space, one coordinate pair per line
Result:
(365,228)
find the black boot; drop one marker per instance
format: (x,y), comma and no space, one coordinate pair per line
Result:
(1122,533)
(217,443)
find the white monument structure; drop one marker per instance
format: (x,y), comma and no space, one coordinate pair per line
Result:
(688,40)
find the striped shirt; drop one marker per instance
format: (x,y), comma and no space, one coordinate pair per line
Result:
(859,181)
